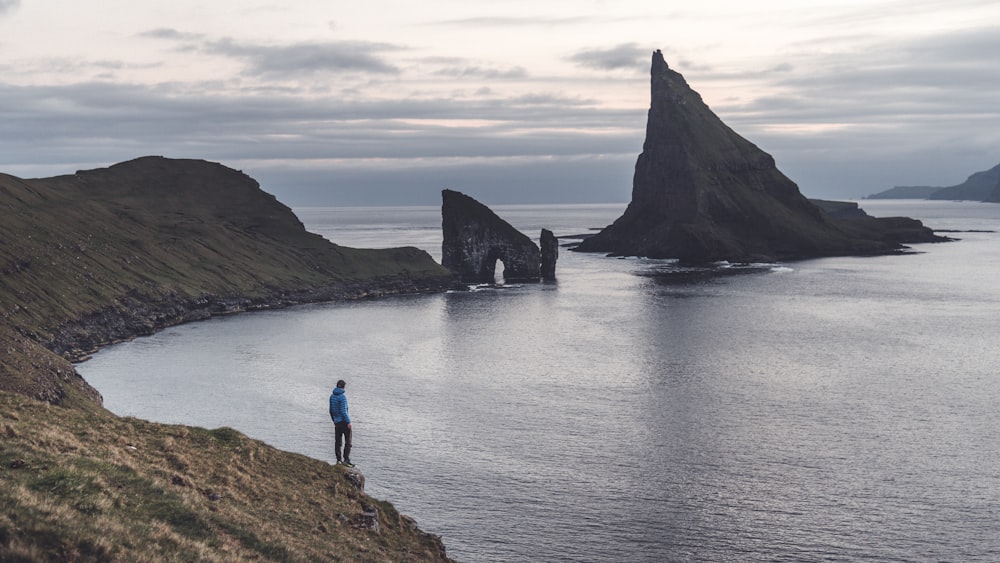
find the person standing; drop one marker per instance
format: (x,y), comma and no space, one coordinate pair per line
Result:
(341,423)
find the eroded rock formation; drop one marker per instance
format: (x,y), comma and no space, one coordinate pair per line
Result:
(550,253)
(702,193)
(475,238)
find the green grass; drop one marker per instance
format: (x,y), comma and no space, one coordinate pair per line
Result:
(90,486)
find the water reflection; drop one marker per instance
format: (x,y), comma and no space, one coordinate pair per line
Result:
(841,408)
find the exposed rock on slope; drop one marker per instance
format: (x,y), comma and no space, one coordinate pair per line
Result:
(701,192)
(475,238)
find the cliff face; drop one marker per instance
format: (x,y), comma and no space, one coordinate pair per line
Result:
(475,238)
(701,192)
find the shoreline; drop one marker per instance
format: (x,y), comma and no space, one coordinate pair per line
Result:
(134,316)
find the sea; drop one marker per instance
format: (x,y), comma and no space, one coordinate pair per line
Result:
(835,409)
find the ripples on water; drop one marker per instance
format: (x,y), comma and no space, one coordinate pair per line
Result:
(843,408)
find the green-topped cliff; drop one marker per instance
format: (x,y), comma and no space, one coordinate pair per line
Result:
(103,255)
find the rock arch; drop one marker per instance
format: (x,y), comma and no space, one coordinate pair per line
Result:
(475,238)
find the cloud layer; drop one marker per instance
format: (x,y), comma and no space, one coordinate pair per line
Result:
(530,108)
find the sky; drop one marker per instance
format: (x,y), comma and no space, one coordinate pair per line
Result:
(510,101)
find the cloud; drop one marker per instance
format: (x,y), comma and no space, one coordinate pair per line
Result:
(307,57)
(503,21)
(483,72)
(7,6)
(95,124)
(837,113)
(627,56)
(171,34)
(921,80)
(288,59)
(581,179)
(332,152)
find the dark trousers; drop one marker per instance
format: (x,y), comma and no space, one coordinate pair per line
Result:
(343,436)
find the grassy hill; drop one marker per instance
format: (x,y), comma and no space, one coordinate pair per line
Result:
(104,255)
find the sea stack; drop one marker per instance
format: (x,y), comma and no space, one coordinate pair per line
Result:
(703,193)
(549,246)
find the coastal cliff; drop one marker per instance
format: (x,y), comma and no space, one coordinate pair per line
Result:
(105,255)
(702,193)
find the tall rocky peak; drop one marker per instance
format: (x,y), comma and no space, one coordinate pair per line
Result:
(474,238)
(701,192)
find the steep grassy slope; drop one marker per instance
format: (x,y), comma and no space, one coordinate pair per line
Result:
(89,486)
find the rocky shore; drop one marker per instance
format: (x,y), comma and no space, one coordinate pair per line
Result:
(134,316)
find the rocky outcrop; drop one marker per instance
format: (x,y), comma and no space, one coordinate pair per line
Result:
(703,193)
(475,238)
(550,254)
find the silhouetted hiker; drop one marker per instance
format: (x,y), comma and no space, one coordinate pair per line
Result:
(341,422)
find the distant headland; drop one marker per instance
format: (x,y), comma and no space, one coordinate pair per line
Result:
(980,186)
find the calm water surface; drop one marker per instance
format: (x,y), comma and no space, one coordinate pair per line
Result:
(841,409)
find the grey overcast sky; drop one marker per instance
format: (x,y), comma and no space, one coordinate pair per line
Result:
(511,101)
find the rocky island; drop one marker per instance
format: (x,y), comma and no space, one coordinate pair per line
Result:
(475,238)
(703,193)
(103,255)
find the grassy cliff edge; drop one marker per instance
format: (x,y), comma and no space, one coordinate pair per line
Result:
(90,486)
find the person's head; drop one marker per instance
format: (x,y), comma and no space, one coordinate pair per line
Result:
(341,383)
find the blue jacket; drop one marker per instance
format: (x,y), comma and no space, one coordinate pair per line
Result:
(338,406)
